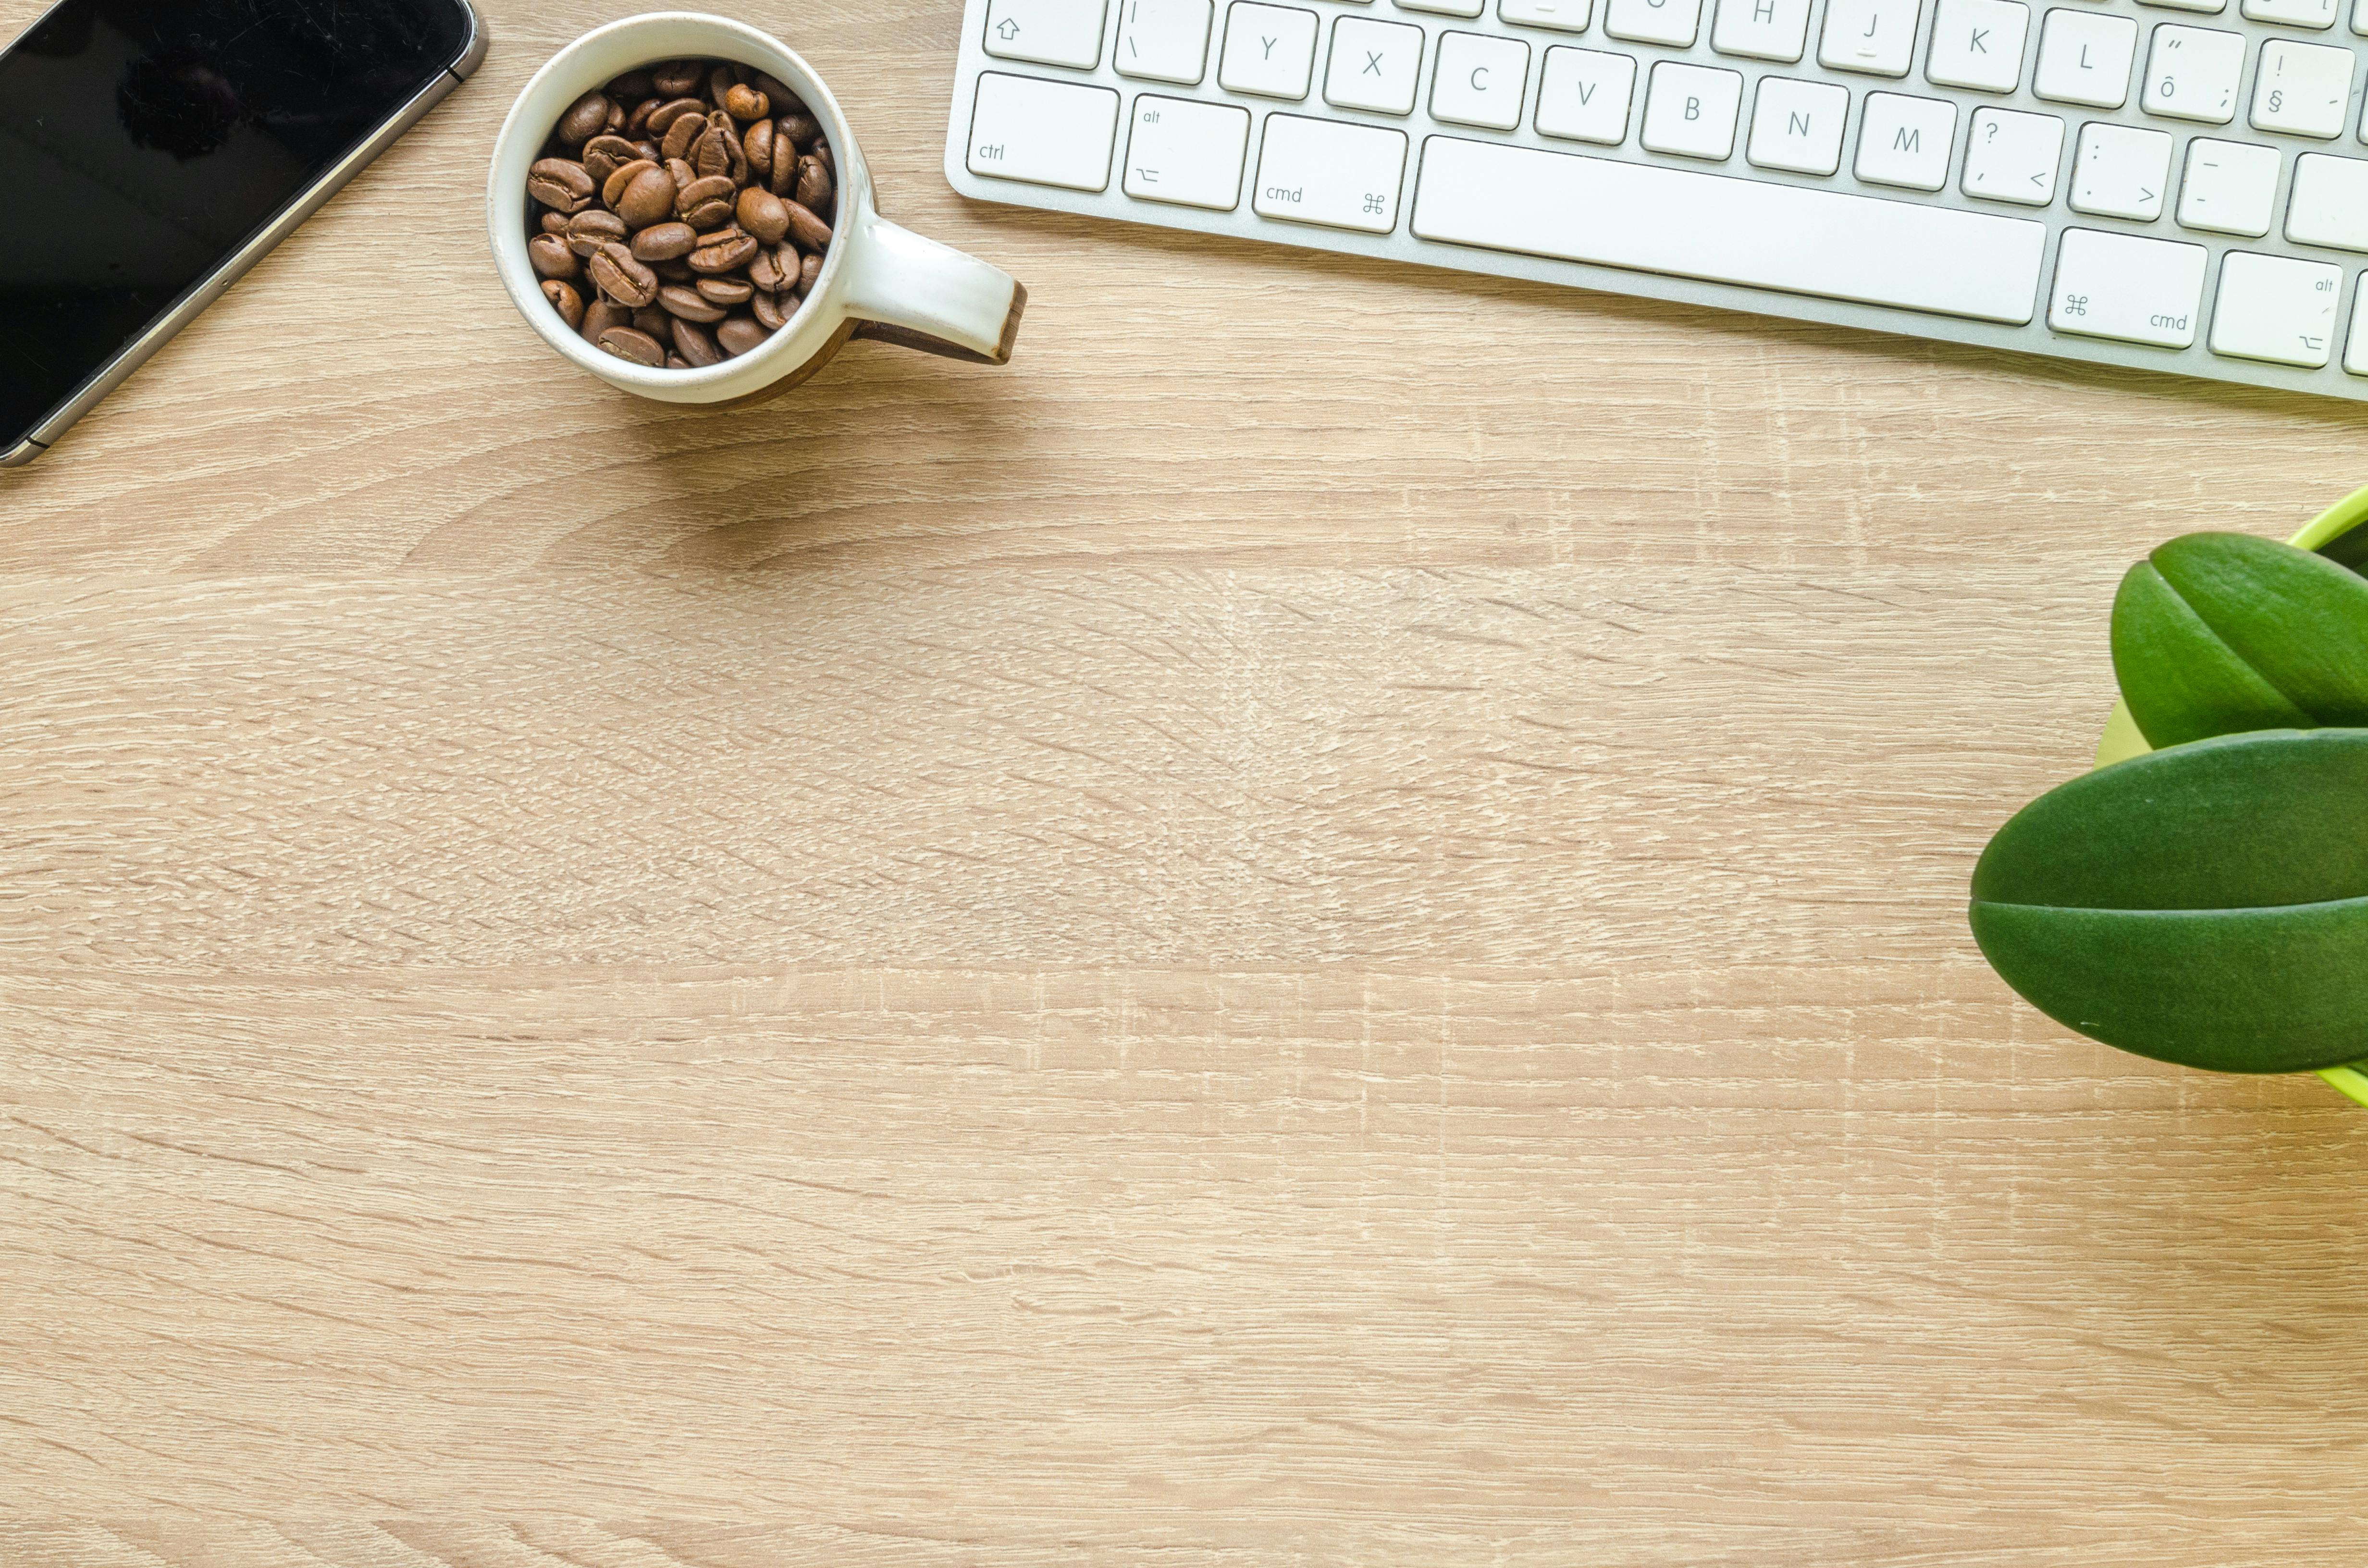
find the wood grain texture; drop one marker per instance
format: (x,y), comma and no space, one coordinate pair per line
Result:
(1322,924)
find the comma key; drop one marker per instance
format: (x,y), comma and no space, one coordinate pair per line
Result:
(2122,287)
(1331,173)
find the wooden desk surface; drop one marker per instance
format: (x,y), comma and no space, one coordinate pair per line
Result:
(1322,924)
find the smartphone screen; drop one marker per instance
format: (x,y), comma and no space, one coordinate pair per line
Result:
(144,142)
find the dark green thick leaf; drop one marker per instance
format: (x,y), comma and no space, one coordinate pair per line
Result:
(2205,904)
(2218,633)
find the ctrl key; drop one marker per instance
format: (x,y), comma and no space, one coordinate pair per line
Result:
(1042,132)
(2122,287)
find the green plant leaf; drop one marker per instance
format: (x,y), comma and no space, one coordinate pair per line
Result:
(2218,633)
(2205,904)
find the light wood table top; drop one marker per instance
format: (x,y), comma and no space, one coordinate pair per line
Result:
(1322,924)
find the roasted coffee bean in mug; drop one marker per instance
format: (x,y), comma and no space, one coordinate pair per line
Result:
(681,214)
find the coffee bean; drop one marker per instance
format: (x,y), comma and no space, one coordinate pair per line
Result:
(665,241)
(758,144)
(735,150)
(565,301)
(591,229)
(688,305)
(679,78)
(814,184)
(765,276)
(725,256)
(674,272)
(555,223)
(709,157)
(769,311)
(673,112)
(808,270)
(637,124)
(783,181)
(601,314)
(676,362)
(763,214)
(612,189)
(604,156)
(695,345)
(648,199)
(721,81)
(647,149)
(631,88)
(740,335)
(801,127)
(653,322)
(560,184)
(747,103)
(811,233)
(587,117)
(706,204)
(629,343)
(682,137)
(822,150)
(725,290)
(773,87)
(621,277)
(550,257)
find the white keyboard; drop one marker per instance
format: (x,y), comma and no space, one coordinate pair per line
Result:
(2181,185)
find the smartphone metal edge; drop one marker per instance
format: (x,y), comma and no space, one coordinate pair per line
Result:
(217,283)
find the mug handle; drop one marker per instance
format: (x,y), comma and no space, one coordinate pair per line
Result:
(908,289)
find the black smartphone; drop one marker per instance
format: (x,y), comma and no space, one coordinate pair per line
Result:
(154,149)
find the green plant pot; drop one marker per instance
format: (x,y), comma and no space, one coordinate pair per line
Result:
(2122,739)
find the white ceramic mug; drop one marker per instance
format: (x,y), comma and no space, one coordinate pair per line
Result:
(878,280)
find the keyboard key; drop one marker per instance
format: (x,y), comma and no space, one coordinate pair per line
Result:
(1562,16)
(1798,125)
(1269,50)
(2121,172)
(2013,157)
(1187,153)
(2303,89)
(2122,287)
(1905,141)
(1048,32)
(1322,171)
(1583,95)
(2355,348)
(1042,132)
(2318,14)
(1375,65)
(1442,7)
(2192,73)
(1978,43)
(2084,58)
(2231,188)
(1653,219)
(1766,30)
(1673,22)
(2275,309)
(1875,37)
(1164,40)
(2329,204)
(1480,81)
(1689,110)
(2360,16)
